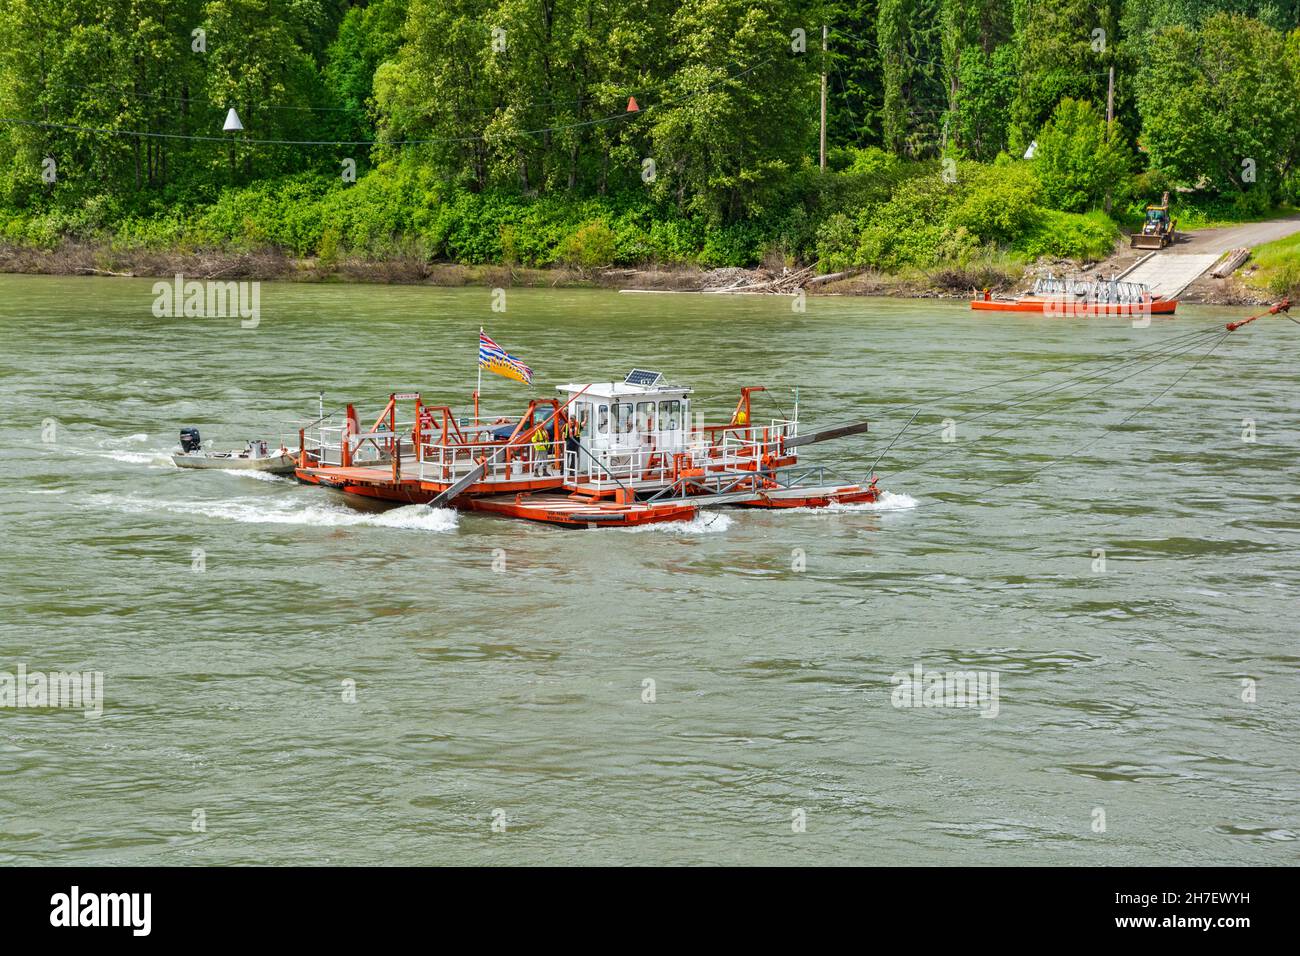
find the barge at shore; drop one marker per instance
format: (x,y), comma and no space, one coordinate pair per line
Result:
(1071,298)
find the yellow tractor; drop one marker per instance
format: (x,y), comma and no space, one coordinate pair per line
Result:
(1158,229)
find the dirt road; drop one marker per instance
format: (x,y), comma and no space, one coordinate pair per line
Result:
(1249,235)
(1169,272)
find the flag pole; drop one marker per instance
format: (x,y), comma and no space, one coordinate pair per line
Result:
(479,387)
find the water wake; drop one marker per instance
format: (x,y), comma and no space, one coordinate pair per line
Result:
(888,501)
(160,458)
(124,440)
(706,522)
(255,475)
(155,459)
(270,511)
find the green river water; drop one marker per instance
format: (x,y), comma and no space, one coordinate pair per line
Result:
(1157,696)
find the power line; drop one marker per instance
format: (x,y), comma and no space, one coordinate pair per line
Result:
(916,59)
(208,104)
(205,104)
(196,137)
(1162,352)
(1105,431)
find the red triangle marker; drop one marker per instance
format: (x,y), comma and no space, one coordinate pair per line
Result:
(631,105)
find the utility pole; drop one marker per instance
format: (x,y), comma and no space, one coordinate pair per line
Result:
(1110,119)
(1110,101)
(825,38)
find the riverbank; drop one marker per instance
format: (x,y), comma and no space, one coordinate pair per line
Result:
(953,281)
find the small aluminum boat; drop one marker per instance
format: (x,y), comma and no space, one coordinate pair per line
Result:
(256,456)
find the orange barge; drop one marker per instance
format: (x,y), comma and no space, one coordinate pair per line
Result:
(605,454)
(1078,298)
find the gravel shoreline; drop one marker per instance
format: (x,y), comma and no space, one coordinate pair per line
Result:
(73,258)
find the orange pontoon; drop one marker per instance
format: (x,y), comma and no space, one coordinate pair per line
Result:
(1071,298)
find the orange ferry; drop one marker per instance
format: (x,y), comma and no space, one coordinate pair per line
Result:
(602,454)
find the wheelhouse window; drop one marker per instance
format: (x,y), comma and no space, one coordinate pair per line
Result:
(623,418)
(645,416)
(670,415)
(602,419)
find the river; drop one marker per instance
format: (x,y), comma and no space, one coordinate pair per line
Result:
(722,691)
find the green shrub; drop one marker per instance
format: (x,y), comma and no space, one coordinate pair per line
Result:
(1078,159)
(1000,204)
(590,246)
(1285,280)
(1062,235)
(880,211)
(837,241)
(1277,267)
(327,253)
(735,245)
(909,228)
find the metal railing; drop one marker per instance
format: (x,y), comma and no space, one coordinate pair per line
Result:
(719,450)
(1095,290)
(450,462)
(726,454)
(374,448)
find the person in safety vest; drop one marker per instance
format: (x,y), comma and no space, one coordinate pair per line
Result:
(539,451)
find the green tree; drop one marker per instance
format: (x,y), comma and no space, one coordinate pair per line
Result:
(258,64)
(1141,16)
(1219,105)
(1066,48)
(986,84)
(915,100)
(855,91)
(367,36)
(1078,159)
(972,30)
(739,114)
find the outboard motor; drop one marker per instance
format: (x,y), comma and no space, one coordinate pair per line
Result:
(190,440)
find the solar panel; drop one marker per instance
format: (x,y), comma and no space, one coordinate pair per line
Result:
(643,378)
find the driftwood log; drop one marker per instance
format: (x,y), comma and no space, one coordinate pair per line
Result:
(1235,260)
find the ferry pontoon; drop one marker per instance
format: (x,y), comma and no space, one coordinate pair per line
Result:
(1065,298)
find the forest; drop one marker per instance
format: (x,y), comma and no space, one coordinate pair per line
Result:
(588,132)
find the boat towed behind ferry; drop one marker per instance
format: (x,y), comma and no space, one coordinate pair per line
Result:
(255,456)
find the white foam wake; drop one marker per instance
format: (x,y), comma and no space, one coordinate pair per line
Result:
(255,475)
(154,459)
(888,501)
(124,440)
(270,511)
(706,522)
